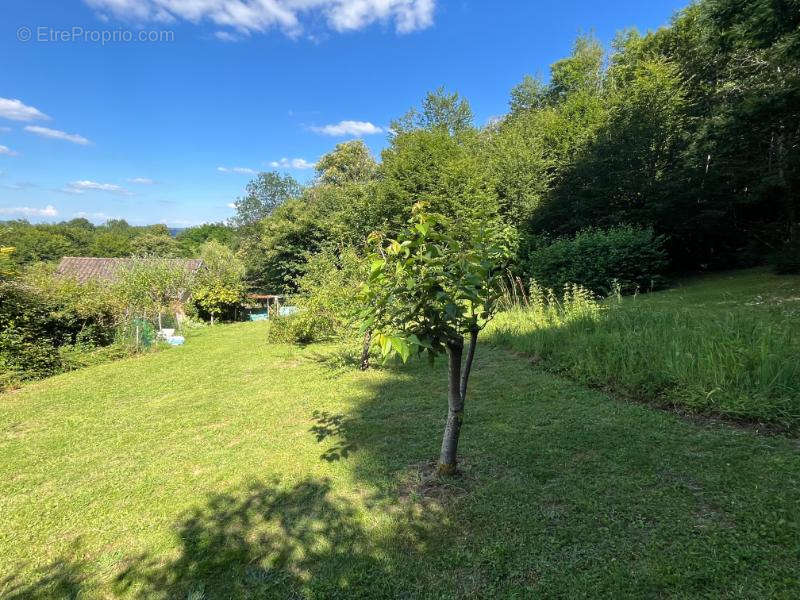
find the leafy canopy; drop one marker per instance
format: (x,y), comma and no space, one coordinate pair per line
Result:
(220,282)
(262,196)
(428,288)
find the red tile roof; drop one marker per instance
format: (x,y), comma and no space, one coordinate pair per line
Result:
(84,268)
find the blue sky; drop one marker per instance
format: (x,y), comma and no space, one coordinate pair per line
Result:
(170,131)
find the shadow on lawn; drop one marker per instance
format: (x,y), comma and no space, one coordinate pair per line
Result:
(275,541)
(61,579)
(333,426)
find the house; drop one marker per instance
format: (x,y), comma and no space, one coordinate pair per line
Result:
(85,268)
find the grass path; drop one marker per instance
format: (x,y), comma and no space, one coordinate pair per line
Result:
(229,468)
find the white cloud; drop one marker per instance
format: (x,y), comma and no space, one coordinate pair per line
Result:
(86,185)
(15,110)
(249,16)
(7,151)
(97,216)
(28,211)
(408,15)
(141,181)
(226,36)
(58,135)
(292,163)
(355,128)
(238,170)
(231,205)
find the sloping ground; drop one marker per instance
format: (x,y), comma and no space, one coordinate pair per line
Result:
(229,468)
(720,345)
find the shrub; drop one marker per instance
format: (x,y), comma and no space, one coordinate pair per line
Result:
(28,335)
(149,287)
(41,316)
(219,285)
(327,300)
(634,258)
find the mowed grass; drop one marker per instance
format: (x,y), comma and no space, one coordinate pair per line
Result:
(231,468)
(725,344)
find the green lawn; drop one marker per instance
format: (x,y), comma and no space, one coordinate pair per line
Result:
(231,468)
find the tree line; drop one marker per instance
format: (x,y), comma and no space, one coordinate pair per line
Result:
(688,137)
(676,150)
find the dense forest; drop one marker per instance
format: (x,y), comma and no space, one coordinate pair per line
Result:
(673,151)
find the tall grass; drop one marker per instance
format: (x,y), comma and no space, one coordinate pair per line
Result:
(736,359)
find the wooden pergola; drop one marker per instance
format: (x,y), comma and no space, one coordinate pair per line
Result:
(269,300)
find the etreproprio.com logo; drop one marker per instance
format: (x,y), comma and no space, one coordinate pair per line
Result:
(43,34)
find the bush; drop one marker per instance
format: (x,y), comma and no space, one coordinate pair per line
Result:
(28,335)
(327,300)
(599,259)
(41,315)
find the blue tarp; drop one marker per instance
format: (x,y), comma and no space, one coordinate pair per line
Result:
(263,315)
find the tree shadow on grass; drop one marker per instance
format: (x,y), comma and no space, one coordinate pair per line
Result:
(63,578)
(272,540)
(335,426)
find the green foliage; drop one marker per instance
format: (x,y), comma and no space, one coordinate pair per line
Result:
(149,287)
(262,196)
(530,94)
(7,267)
(582,72)
(327,300)
(348,163)
(154,244)
(220,283)
(191,239)
(111,245)
(440,110)
(48,242)
(724,345)
(40,315)
(33,243)
(428,288)
(446,171)
(28,336)
(278,254)
(599,259)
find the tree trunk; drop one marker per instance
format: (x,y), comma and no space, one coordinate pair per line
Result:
(455,412)
(473,341)
(365,351)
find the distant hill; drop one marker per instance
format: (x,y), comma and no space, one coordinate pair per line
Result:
(174,231)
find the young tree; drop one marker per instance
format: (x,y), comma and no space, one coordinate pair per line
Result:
(430,287)
(150,286)
(220,282)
